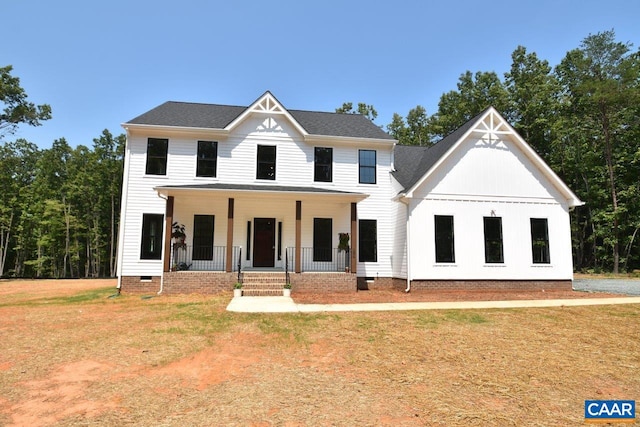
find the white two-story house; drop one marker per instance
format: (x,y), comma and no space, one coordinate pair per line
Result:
(330,202)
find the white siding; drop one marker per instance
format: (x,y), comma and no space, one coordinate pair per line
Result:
(481,180)
(236,163)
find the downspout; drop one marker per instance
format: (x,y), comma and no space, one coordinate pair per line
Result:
(164,231)
(408,241)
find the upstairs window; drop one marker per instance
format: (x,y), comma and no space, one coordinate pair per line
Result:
(493,240)
(540,241)
(367,166)
(368,240)
(323,164)
(322,232)
(266,168)
(207,159)
(203,237)
(151,247)
(445,251)
(156,156)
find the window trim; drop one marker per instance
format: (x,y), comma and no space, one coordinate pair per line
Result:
(488,242)
(362,243)
(164,157)
(546,256)
(157,239)
(260,164)
(317,165)
(200,161)
(362,167)
(451,249)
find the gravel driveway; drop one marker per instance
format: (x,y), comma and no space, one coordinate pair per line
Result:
(613,286)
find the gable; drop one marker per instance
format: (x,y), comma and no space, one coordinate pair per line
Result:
(485,157)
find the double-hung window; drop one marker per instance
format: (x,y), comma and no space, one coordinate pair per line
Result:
(151,246)
(266,167)
(368,240)
(207,159)
(367,166)
(445,250)
(322,239)
(540,241)
(156,156)
(493,252)
(203,237)
(323,161)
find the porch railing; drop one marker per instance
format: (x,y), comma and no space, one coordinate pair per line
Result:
(315,259)
(185,257)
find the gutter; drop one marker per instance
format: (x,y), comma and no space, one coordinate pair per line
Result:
(123,209)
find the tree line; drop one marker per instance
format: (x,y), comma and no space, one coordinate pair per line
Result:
(59,207)
(59,211)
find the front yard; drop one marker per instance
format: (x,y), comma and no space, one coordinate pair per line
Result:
(74,354)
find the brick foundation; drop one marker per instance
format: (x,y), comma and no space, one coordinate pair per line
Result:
(323,282)
(198,282)
(485,285)
(136,285)
(182,282)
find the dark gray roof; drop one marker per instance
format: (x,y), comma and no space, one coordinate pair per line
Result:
(249,187)
(413,162)
(213,116)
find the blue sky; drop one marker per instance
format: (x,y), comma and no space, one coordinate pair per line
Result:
(101,63)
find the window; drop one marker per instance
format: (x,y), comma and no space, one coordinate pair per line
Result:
(156,156)
(540,241)
(207,158)
(323,164)
(367,162)
(266,162)
(203,237)
(151,247)
(493,240)
(322,232)
(368,240)
(444,238)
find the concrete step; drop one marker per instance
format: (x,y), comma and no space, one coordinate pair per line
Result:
(261,292)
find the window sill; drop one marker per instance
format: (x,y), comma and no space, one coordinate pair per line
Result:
(155,176)
(206,178)
(445,264)
(541,266)
(496,265)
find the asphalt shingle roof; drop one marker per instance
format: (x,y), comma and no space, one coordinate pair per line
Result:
(213,116)
(413,162)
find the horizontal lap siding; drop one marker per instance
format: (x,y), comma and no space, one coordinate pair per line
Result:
(236,163)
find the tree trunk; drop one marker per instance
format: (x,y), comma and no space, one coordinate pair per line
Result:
(5,237)
(608,154)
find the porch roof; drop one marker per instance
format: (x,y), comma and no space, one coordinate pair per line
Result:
(173,190)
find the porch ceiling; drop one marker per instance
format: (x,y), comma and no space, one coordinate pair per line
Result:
(258,190)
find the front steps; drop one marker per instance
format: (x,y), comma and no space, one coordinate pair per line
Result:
(262,284)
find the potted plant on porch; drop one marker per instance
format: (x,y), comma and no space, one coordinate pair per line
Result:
(179,235)
(343,246)
(286,291)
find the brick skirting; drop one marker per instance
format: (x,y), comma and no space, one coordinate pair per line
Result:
(485,285)
(137,285)
(323,282)
(182,282)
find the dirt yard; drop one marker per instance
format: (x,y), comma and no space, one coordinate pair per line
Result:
(74,353)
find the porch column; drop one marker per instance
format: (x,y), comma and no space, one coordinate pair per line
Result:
(168,221)
(354,238)
(229,261)
(298,234)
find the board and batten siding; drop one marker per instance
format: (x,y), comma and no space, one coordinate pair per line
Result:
(481,180)
(236,163)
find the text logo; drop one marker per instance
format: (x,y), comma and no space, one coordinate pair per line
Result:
(606,411)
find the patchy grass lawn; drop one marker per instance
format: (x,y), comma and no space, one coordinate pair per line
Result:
(77,355)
